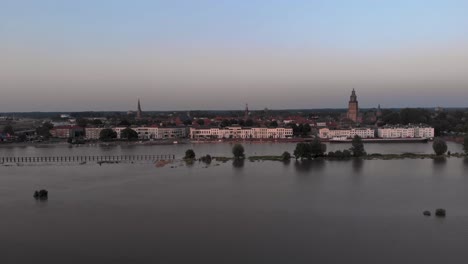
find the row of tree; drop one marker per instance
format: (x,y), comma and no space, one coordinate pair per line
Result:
(237,151)
(109,134)
(317,149)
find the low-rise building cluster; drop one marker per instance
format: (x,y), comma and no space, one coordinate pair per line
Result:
(143,132)
(199,133)
(419,131)
(240,132)
(348,133)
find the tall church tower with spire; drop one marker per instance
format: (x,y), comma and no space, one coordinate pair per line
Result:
(246,112)
(353,107)
(139,112)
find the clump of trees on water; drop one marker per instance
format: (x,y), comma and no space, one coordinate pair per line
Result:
(189,154)
(238,151)
(357,147)
(345,154)
(317,149)
(439,146)
(286,156)
(206,159)
(310,150)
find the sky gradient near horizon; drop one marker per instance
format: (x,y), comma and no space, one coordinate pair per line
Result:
(64,55)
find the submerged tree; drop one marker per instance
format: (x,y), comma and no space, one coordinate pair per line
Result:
(439,146)
(310,150)
(189,154)
(357,147)
(286,156)
(238,151)
(317,148)
(302,151)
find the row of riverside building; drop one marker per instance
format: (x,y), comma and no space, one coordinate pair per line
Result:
(198,133)
(410,131)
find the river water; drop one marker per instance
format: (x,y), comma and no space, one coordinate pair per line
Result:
(252,212)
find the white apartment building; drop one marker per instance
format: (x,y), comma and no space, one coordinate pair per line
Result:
(406,132)
(348,133)
(395,132)
(424,132)
(143,132)
(93,132)
(161,132)
(240,132)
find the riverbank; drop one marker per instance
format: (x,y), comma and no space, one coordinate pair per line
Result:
(374,156)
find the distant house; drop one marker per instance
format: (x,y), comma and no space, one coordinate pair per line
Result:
(67,131)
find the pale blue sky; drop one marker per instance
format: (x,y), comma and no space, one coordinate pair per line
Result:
(102,55)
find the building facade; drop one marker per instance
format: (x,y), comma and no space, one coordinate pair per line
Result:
(93,132)
(67,131)
(406,132)
(143,132)
(327,133)
(240,132)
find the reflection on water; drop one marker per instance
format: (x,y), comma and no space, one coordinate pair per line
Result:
(439,162)
(306,166)
(238,163)
(357,165)
(244,212)
(189,162)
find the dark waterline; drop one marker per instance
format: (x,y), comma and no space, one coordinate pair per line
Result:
(251,212)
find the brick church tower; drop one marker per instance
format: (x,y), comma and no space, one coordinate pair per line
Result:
(353,108)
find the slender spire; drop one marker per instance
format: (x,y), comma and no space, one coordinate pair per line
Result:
(246,113)
(139,109)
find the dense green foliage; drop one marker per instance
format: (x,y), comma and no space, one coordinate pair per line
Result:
(205,159)
(128,134)
(302,151)
(300,130)
(238,151)
(107,134)
(346,154)
(189,154)
(310,150)
(357,147)
(318,148)
(125,123)
(286,156)
(439,146)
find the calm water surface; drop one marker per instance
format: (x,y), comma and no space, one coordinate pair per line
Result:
(251,212)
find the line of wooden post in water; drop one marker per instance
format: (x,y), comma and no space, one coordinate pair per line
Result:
(87,158)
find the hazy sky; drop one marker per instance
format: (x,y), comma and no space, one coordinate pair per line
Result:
(73,55)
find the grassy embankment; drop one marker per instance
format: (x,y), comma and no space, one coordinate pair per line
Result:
(374,156)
